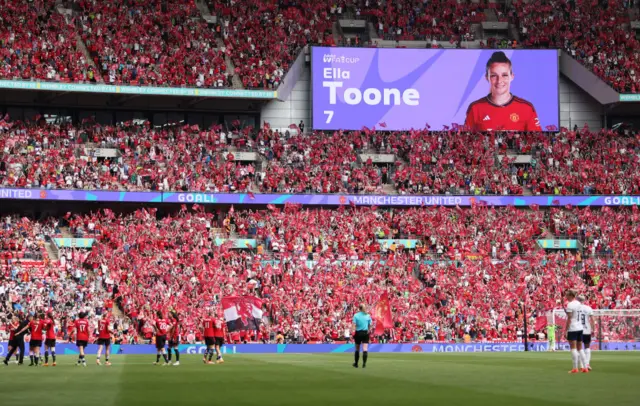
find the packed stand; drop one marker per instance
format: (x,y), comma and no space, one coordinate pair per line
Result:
(593,32)
(579,162)
(36,42)
(411,20)
(169,158)
(452,162)
(31,282)
(155,43)
(263,38)
(317,163)
(487,263)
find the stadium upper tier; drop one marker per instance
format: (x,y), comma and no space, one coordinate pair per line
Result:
(471,270)
(254,42)
(131,157)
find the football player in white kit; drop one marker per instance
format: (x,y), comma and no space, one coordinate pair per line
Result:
(587,311)
(574,330)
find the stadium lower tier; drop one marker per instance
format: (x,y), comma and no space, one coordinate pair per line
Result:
(139,157)
(449,273)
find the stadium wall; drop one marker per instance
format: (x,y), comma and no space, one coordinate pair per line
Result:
(70,349)
(296,107)
(577,107)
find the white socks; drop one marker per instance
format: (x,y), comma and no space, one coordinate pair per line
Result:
(587,353)
(583,359)
(575,356)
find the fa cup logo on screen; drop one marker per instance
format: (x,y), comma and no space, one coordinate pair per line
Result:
(331,58)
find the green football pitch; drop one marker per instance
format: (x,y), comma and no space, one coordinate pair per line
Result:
(329,379)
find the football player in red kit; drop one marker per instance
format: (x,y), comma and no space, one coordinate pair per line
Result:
(218,337)
(104,339)
(13,346)
(36,326)
(174,337)
(81,331)
(501,110)
(161,327)
(49,340)
(207,325)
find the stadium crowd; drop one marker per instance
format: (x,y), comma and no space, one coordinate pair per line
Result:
(467,278)
(36,42)
(155,43)
(168,43)
(596,33)
(187,158)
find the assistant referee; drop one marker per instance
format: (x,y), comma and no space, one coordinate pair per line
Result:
(362,324)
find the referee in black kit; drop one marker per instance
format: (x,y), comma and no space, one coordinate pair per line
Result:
(362,324)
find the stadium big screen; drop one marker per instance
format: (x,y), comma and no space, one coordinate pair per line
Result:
(401,89)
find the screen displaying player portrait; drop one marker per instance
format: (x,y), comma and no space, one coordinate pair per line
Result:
(402,89)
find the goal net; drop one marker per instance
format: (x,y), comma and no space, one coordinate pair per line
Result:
(612,329)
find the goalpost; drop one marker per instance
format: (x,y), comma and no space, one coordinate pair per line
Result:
(612,329)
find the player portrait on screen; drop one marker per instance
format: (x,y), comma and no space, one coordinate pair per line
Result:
(501,110)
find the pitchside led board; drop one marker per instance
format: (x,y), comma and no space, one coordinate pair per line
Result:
(401,89)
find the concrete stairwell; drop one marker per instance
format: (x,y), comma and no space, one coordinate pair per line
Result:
(203,7)
(389,189)
(235,79)
(66,233)
(81,47)
(336,32)
(52,250)
(490,14)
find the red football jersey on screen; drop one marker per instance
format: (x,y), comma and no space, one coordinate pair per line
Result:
(161,327)
(208,327)
(82,330)
(103,329)
(516,115)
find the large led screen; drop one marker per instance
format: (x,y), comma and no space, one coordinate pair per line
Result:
(401,89)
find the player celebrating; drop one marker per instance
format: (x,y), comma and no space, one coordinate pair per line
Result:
(81,331)
(104,339)
(14,345)
(218,339)
(574,330)
(50,340)
(161,327)
(174,338)
(587,311)
(36,326)
(209,339)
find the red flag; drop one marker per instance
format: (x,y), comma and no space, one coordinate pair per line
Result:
(382,314)
(541,322)
(271,207)
(383,124)
(242,312)
(251,195)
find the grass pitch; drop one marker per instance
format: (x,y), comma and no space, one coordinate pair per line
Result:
(329,379)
